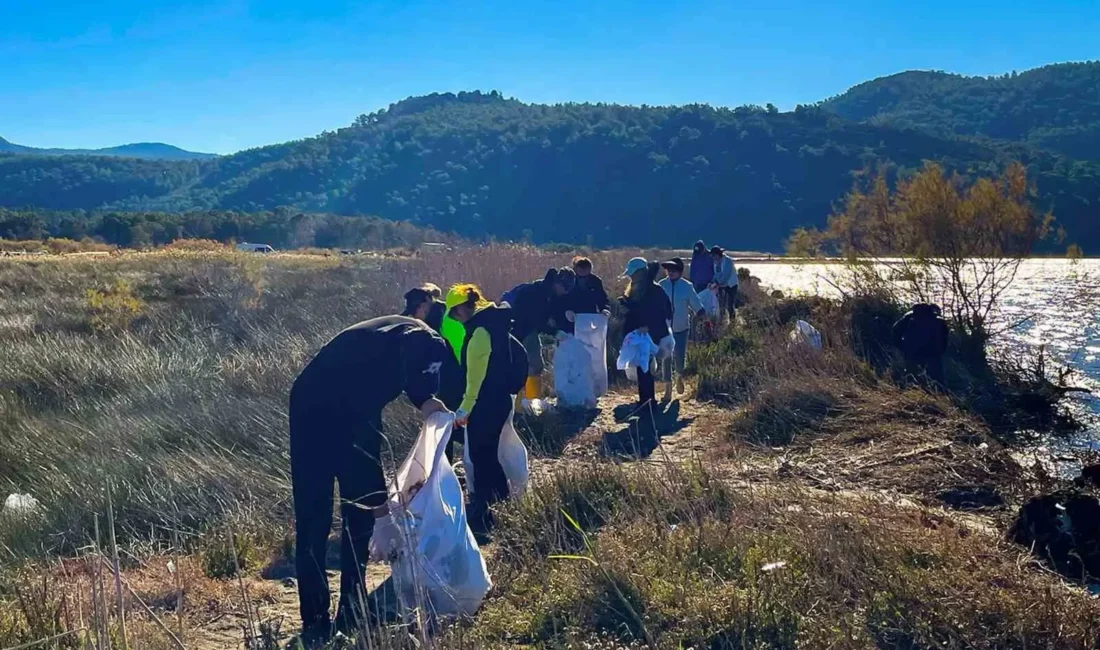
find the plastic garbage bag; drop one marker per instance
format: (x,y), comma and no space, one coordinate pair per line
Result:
(591,329)
(20,504)
(637,351)
(512,454)
(573,381)
(440,569)
(666,347)
(805,334)
(709,298)
(536,407)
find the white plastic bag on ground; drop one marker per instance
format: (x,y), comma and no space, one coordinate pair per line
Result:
(440,570)
(637,351)
(805,334)
(20,504)
(591,329)
(573,381)
(512,454)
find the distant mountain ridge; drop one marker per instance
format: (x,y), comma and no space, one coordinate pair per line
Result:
(482,165)
(146,150)
(1055,107)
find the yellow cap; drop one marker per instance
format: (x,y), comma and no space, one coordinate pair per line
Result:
(460,294)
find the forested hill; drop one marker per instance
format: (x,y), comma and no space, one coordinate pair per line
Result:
(481,165)
(1055,107)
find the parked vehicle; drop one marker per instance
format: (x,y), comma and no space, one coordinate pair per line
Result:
(245,247)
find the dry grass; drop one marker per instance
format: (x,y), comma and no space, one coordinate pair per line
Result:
(678,559)
(163,377)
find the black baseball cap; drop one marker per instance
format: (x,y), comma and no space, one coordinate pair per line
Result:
(674,264)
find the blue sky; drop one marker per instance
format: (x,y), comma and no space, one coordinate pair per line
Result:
(224,75)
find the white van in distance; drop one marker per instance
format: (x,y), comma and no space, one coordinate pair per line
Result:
(245,247)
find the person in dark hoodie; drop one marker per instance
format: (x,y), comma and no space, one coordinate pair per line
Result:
(701,270)
(496,369)
(647,308)
(336,435)
(532,307)
(922,335)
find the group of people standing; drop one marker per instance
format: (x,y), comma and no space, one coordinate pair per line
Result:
(666,309)
(464,353)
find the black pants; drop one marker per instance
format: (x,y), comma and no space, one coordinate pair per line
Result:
(483,439)
(646,390)
(333,440)
(728,296)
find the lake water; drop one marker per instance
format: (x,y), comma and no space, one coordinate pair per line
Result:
(1055,303)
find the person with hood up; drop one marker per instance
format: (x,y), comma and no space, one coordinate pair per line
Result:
(685,305)
(533,305)
(647,309)
(496,369)
(336,435)
(922,335)
(725,276)
(701,272)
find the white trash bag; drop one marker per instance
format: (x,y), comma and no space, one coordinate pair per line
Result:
(638,351)
(805,334)
(573,381)
(512,454)
(709,298)
(20,504)
(591,329)
(440,569)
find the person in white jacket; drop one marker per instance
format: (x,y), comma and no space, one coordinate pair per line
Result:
(685,305)
(725,276)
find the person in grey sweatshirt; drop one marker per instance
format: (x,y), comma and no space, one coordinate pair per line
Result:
(685,305)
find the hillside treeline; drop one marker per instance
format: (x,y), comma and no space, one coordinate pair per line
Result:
(481,165)
(281,228)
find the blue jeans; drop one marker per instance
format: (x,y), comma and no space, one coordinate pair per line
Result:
(679,355)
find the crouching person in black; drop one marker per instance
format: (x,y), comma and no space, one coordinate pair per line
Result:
(922,335)
(336,434)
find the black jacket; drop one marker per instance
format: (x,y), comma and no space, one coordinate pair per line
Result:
(531,306)
(588,295)
(652,309)
(373,362)
(921,333)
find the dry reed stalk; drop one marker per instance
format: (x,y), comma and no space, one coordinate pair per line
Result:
(121,603)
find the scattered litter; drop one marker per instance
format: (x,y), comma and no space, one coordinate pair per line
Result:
(773,566)
(804,335)
(983,446)
(20,504)
(794,508)
(536,407)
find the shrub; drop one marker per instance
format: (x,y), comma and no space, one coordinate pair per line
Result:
(114,308)
(221,559)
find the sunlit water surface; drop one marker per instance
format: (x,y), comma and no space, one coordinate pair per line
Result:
(1052,303)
